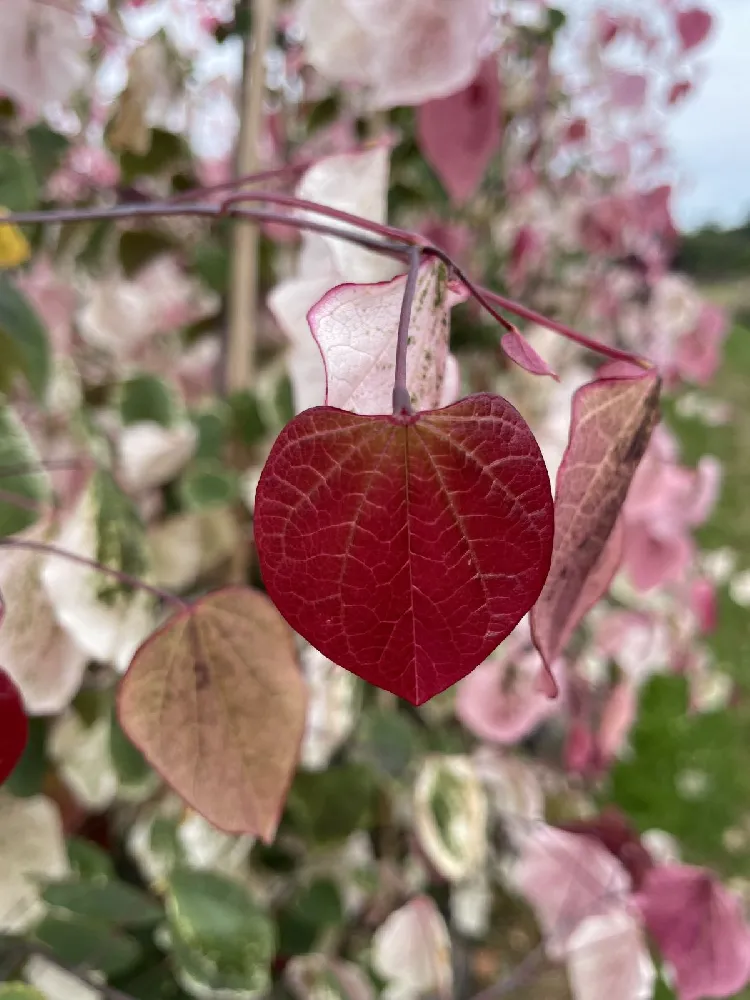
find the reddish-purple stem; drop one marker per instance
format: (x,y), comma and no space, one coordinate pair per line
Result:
(401,398)
(165,209)
(125,578)
(276,198)
(399,248)
(565,331)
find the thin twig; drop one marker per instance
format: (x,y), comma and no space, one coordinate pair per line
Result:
(290,200)
(398,248)
(163,209)
(243,294)
(401,398)
(45,548)
(565,331)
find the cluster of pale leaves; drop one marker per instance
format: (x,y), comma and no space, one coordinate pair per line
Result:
(338,307)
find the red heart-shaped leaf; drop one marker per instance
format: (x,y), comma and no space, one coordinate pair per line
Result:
(405,548)
(14,726)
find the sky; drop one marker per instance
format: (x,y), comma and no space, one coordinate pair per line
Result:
(710,132)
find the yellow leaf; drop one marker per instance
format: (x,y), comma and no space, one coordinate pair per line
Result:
(14,248)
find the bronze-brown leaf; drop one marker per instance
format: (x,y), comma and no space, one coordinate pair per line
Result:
(216,703)
(610,429)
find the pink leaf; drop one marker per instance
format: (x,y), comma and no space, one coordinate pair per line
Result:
(628,90)
(405,548)
(568,878)
(611,425)
(678,91)
(459,134)
(700,929)
(356,327)
(693,27)
(500,701)
(617,718)
(519,350)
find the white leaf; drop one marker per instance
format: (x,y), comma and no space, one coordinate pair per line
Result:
(405,51)
(206,847)
(150,454)
(513,788)
(55,983)
(471,906)
(350,182)
(187,545)
(450,815)
(317,977)
(607,957)
(356,327)
(333,707)
(32,846)
(108,631)
(42,50)
(290,301)
(83,759)
(411,950)
(39,655)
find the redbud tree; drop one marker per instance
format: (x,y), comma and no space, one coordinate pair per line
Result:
(340,538)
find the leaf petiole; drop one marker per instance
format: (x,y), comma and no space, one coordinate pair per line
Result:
(401,398)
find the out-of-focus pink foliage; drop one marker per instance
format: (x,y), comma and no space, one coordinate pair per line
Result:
(700,929)
(401,51)
(42,52)
(693,26)
(459,134)
(501,701)
(665,502)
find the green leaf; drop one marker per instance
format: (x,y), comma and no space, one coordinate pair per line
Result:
(687,775)
(89,861)
(128,761)
(77,941)
(312,910)
(111,902)
(328,806)
(211,264)
(17,452)
(147,397)
(47,150)
(120,534)
(157,983)
(19,191)
(212,431)
(23,340)
(165,150)
(139,246)
(389,741)
(246,423)
(208,483)
(27,777)
(284,399)
(221,939)
(19,991)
